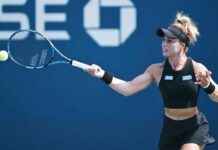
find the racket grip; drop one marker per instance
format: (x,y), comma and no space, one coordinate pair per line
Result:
(79,64)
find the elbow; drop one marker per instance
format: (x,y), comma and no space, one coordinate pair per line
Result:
(125,90)
(214,96)
(215,100)
(127,94)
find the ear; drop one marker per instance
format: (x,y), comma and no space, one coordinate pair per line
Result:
(183,44)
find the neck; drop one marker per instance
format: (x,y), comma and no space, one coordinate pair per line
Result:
(177,62)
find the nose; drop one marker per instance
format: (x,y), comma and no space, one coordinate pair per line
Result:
(164,44)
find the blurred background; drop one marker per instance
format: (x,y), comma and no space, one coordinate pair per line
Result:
(62,107)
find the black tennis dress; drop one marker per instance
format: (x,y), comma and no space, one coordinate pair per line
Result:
(179,91)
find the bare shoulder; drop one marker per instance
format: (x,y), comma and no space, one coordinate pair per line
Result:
(156,68)
(199,67)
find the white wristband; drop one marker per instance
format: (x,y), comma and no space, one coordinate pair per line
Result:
(206,86)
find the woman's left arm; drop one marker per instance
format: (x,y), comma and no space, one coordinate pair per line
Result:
(214,94)
(203,76)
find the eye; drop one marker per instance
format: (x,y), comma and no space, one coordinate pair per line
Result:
(170,41)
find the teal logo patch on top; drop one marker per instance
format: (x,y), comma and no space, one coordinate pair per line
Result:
(187,77)
(168,77)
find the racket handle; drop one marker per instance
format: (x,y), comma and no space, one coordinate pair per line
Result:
(79,64)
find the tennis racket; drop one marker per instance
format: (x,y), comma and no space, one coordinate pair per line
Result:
(32,50)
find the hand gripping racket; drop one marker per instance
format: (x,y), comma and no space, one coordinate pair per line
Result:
(32,50)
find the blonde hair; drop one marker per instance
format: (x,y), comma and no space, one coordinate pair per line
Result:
(186,25)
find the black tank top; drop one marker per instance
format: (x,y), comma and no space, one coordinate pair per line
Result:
(177,87)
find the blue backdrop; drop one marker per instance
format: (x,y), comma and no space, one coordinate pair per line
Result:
(63,108)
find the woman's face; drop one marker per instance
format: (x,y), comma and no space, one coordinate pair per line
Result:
(171,47)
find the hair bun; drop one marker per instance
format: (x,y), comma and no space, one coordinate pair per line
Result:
(179,21)
(187,26)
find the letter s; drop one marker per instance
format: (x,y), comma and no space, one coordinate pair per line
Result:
(20,18)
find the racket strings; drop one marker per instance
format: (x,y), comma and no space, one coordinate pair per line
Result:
(43,57)
(34,60)
(39,60)
(30,49)
(20,35)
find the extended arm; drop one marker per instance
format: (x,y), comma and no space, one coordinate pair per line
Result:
(126,88)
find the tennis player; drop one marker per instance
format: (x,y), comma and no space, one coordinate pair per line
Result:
(179,79)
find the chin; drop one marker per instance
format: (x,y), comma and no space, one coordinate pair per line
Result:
(165,55)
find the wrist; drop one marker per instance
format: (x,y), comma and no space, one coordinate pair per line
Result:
(107,77)
(210,88)
(206,86)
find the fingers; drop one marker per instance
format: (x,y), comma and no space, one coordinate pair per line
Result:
(198,83)
(95,71)
(208,73)
(203,78)
(93,68)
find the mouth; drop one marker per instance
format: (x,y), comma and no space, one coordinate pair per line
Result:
(165,50)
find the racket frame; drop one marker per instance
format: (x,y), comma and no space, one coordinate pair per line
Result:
(68,60)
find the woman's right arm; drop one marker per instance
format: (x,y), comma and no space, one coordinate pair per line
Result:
(125,88)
